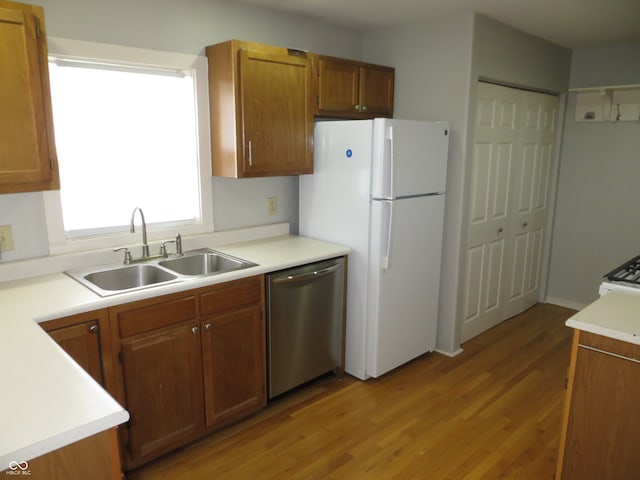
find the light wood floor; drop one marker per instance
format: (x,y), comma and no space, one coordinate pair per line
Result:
(492,412)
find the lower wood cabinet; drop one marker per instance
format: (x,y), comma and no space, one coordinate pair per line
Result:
(233,350)
(96,457)
(188,364)
(79,336)
(601,428)
(163,384)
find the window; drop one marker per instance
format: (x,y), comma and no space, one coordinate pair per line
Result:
(128,134)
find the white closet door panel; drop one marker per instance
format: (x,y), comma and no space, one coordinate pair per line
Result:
(508,204)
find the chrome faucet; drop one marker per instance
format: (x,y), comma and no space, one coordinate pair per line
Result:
(132,229)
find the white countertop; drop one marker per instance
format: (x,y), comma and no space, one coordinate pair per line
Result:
(47,401)
(615,315)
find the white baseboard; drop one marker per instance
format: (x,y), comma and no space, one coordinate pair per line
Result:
(449,354)
(562,302)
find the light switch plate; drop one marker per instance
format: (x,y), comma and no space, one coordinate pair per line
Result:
(6,238)
(272,206)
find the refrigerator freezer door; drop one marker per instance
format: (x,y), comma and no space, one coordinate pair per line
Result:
(409,157)
(403,298)
(334,206)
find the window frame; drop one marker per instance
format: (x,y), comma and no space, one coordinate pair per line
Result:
(58,241)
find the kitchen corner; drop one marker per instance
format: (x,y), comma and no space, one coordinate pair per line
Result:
(53,402)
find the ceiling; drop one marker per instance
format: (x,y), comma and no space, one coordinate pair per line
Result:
(569,23)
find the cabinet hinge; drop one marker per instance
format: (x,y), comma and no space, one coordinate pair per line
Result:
(566,383)
(120,356)
(318,100)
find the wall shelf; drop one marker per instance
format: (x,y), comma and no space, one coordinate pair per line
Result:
(619,103)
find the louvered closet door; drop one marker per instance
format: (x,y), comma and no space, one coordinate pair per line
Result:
(508,201)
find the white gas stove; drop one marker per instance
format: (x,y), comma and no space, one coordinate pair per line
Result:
(625,278)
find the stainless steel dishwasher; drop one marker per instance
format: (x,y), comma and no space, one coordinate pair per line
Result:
(305,317)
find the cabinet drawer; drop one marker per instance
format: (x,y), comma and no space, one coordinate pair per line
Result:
(144,319)
(231,296)
(611,345)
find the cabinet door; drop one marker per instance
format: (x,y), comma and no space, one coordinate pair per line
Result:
(82,343)
(604,419)
(163,384)
(276,118)
(338,87)
(27,152)
(234,364)
(376,91)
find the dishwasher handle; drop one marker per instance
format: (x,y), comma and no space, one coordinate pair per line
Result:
(304,277)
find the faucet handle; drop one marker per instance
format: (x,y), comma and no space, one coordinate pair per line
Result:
(163,247)
(178,245)
(127,255)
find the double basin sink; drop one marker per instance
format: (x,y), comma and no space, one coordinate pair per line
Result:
(115,279)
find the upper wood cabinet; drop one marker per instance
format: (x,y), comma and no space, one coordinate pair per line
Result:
(350,89)
(261,107)
(27,150)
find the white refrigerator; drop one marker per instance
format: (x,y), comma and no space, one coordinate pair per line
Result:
(379,187)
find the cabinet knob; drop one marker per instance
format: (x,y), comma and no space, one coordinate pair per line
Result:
(499,230)
(524,224)
(207,326)
(357,108)
(94,328)
(195,330)
(364,108)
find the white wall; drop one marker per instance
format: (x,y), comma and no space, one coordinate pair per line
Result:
(185,26)
(512,57)
(432,62)
(597,224)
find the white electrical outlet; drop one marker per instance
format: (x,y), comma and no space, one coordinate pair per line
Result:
(272,206)
(6,238)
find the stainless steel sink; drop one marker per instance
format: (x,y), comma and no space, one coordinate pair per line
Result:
(115,279)
(111,280)
(205,263)
(125,278)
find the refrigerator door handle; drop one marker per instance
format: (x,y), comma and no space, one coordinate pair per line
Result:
(391,163)
(388,225)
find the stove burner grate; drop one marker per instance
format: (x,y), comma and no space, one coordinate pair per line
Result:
(628,272)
